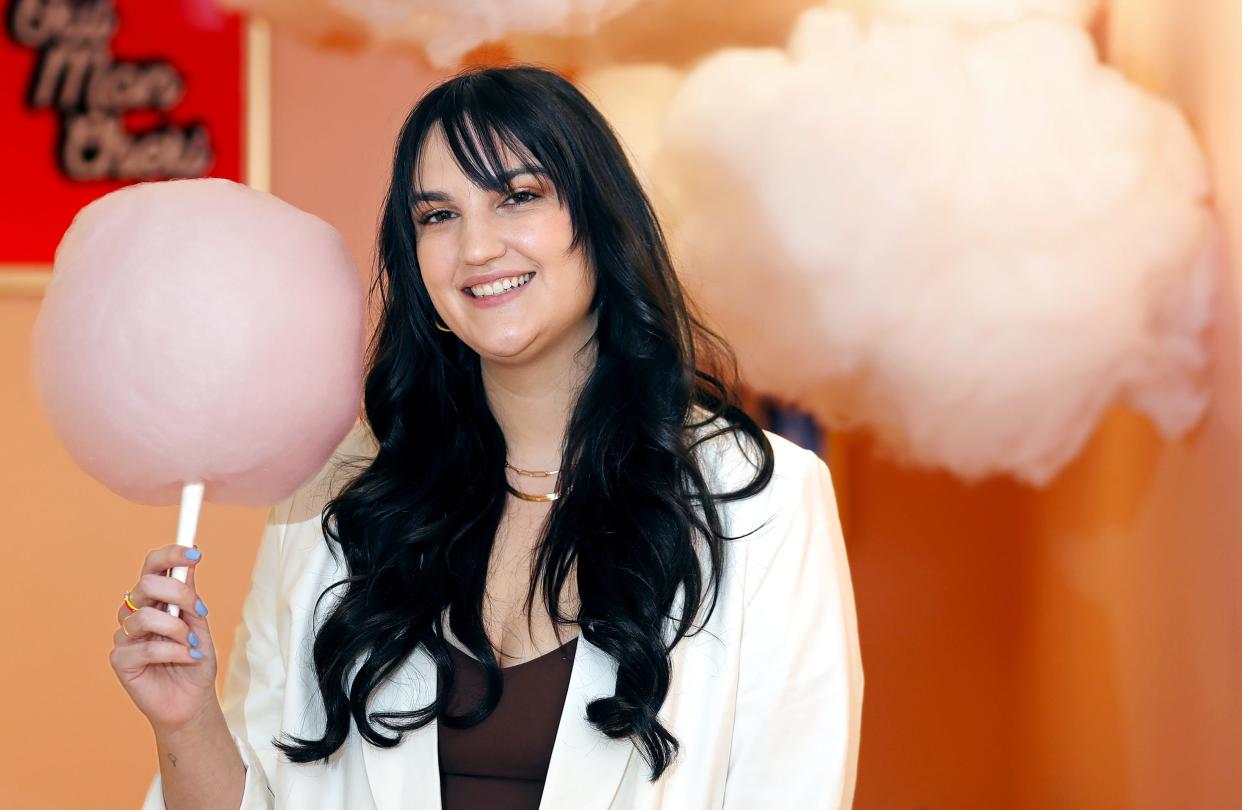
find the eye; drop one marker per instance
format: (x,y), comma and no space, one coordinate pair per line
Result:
(430,218)
(522,196)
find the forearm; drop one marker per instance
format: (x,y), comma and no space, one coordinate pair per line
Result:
(200,766)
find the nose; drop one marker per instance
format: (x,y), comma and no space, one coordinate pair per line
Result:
(481,239)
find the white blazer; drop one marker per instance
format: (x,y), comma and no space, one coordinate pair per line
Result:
(766,701)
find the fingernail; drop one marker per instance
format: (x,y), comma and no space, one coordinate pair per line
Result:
(193,554)
(193,639)
(196,653)
(200,608)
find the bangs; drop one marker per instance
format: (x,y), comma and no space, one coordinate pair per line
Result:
(503,122)
(490,147)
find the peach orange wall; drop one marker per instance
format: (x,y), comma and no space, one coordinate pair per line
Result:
(1079,647)
(1137,576)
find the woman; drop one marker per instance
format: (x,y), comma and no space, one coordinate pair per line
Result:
(564,569)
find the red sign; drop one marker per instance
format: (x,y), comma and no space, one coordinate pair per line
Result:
(99,94)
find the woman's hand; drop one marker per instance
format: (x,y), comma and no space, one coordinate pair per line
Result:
(168,683)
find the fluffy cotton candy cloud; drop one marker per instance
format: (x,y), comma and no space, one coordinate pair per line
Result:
(445,31)
(971,244)
(673,32)
(974,12)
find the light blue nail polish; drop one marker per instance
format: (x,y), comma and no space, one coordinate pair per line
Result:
(196,653)
(193,639)
(193,554)
(200,608)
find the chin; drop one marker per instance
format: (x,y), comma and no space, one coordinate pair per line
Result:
(506,348)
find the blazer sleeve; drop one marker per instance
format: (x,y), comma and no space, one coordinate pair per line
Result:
(799,703)
(253,690)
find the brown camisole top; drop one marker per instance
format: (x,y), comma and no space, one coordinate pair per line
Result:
(501,763)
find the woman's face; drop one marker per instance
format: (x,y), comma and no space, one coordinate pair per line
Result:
(469,237)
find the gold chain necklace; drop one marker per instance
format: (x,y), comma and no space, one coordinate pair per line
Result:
(527,496)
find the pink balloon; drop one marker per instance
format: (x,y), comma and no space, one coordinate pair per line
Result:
(199,330)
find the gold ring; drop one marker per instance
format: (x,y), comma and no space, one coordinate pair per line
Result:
(132,607)
(123,627)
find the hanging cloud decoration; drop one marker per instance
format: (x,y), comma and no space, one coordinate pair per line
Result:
(444,31)
(975,12)
(672,32)
(969,241)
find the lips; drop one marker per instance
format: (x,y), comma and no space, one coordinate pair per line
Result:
(499,287)
(488,278)
(498,299)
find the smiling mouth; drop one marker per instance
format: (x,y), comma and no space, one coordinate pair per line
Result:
(498,287)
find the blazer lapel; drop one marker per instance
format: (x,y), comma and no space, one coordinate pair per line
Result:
(406,776)
(586,766)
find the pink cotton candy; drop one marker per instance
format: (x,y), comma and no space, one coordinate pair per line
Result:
(199,330)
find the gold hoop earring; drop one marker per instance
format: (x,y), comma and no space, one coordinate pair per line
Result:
(441,327)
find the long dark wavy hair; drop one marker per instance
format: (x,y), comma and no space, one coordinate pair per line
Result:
(416,524)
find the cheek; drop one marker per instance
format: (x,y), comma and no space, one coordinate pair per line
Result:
(434,262)
(546,236)
(574,276)
(586,290)
(576,287)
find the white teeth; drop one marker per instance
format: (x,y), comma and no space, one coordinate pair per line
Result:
(502,285)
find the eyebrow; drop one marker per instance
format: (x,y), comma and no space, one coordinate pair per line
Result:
(504,177)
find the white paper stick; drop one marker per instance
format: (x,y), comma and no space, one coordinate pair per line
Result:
(187,525)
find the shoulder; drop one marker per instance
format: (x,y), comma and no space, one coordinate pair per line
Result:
(732,459)
(352,455)
(779,529)
(295,524)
